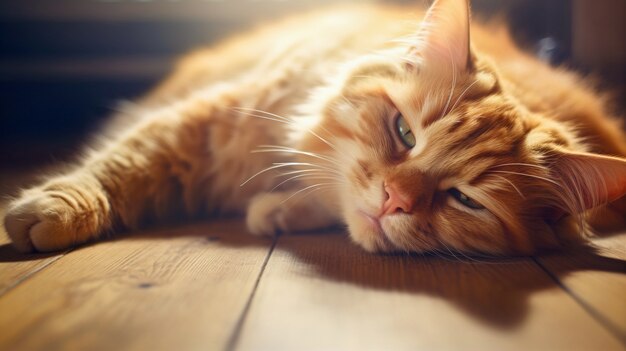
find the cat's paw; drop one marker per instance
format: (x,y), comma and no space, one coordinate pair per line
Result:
(54,218)
(267,214)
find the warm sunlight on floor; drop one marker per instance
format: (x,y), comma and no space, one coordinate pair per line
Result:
(211,286)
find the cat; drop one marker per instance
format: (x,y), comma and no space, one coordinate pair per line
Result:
(418,136)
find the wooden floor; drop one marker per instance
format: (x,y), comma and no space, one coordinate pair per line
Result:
(211,286)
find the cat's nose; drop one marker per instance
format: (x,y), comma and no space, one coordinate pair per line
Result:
(396,201)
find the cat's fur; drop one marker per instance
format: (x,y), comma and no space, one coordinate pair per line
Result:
(307,108)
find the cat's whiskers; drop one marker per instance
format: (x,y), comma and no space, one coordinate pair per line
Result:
(412,241)
(286,164)
(454,79)
(299,171)
(511,184)
(474,258)
(308,176)
(520,164)
(530,176)
(324,140)
(452,252)
(249,109)
(296,164)
(282,119)
(316,172)
(250,114)
(571,197)
(352,105)
(285,149)
(315,187)
(463,94)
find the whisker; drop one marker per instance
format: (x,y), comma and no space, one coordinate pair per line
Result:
(462,95)
(465,257)
(279,118)
(264,112)
(511,183)
(520,164)
(277,148)
(322,139)
(450,251)
(286,164)
(454,78)
(301,171)
(303,176)
(349,102)
(268,118)
(314,172)
(332,170)
(530,176)
(263,171)
(305,189)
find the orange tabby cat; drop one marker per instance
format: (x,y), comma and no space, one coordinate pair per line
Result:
(418,140)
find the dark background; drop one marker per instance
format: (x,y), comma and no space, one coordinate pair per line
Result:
(64,64)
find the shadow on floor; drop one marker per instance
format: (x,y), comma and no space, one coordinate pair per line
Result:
(493,291)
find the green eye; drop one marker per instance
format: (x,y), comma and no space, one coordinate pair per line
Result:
(404,132)
(464,199)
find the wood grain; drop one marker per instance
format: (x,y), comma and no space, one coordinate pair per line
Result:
(598,279)
(321,292)
(16,267)
(167,290)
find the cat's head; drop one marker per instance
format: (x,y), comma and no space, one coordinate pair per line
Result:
(430,152)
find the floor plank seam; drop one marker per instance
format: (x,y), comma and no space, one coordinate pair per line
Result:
(613,329)
(32,274)
(234,338)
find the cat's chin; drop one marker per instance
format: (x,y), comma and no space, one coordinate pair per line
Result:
(366,231)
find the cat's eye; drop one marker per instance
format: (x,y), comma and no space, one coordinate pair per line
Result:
(464,199)
(404,132)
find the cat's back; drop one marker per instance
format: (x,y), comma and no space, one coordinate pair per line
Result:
(307,46)
(304,50)
(554,92)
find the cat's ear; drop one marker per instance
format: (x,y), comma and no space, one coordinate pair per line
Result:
(443,37)
(590,179)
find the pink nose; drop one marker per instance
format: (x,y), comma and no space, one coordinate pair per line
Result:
(396,201)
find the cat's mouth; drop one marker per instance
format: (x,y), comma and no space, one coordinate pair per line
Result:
(382,240)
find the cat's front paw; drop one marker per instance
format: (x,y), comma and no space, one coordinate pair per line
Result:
(55,217)
(267,214)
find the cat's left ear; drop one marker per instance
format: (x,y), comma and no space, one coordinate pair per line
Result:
(444,36)
(590,179)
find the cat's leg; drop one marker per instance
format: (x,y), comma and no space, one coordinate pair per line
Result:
(285,212)
(63,211)
(159,162)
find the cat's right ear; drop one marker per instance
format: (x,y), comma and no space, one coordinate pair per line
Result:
(443,37)
(589,180)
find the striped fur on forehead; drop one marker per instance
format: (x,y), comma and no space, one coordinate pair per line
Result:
(477,131)
(426,97)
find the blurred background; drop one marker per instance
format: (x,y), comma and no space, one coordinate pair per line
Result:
(64,64)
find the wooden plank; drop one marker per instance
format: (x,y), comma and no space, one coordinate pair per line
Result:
(173,289)
(15,267)
(597,279)
(322,292)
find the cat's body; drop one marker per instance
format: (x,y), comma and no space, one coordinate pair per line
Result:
(282,98)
